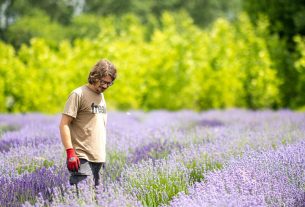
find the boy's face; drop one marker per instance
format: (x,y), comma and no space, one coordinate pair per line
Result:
(101,85)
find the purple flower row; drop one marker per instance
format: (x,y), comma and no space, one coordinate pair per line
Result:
(156,154)
(272,178)
(15,191)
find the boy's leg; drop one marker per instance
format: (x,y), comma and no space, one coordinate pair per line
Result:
(83,172)
(96,167)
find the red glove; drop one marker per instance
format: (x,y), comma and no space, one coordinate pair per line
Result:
(72,160)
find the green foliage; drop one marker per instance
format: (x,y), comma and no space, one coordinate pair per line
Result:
(38,25)
(286,17)
(34,166)
(203,12)
(286,20)
(115,164)
(300,69)
(301,109)
(283,62)
(59,10)
(2,97)
(11,70)
(198,167)
(85,26)
(156,183)
(180,66)
(261,80)
(72,19)
(112,22)
(7,128)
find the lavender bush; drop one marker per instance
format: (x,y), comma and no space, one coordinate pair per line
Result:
(213,158)
(271,178)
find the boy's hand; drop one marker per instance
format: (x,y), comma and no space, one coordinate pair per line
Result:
(73,162)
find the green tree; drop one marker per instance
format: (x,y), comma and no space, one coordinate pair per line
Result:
(202,11)
(286,20)
(38,25)
(286,17)
(300,69)
(58,10)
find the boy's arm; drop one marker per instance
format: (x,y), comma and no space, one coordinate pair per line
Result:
(73,162)
(65,131)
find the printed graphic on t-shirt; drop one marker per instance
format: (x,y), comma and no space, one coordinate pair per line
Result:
(96,109)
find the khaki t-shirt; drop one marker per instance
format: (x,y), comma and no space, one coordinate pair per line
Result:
(88,128)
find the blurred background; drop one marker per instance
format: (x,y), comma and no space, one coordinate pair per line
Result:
(174,54)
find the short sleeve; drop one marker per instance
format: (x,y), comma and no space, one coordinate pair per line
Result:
(72,105)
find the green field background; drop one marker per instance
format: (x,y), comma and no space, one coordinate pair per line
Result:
(170,64)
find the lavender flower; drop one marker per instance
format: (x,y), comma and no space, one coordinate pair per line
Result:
(272,178)
(235,158)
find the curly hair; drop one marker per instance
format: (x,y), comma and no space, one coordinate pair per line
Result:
(101,69)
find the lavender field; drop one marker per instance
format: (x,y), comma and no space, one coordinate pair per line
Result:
(159,158)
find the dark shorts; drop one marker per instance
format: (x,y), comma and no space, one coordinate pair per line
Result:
(87,169)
